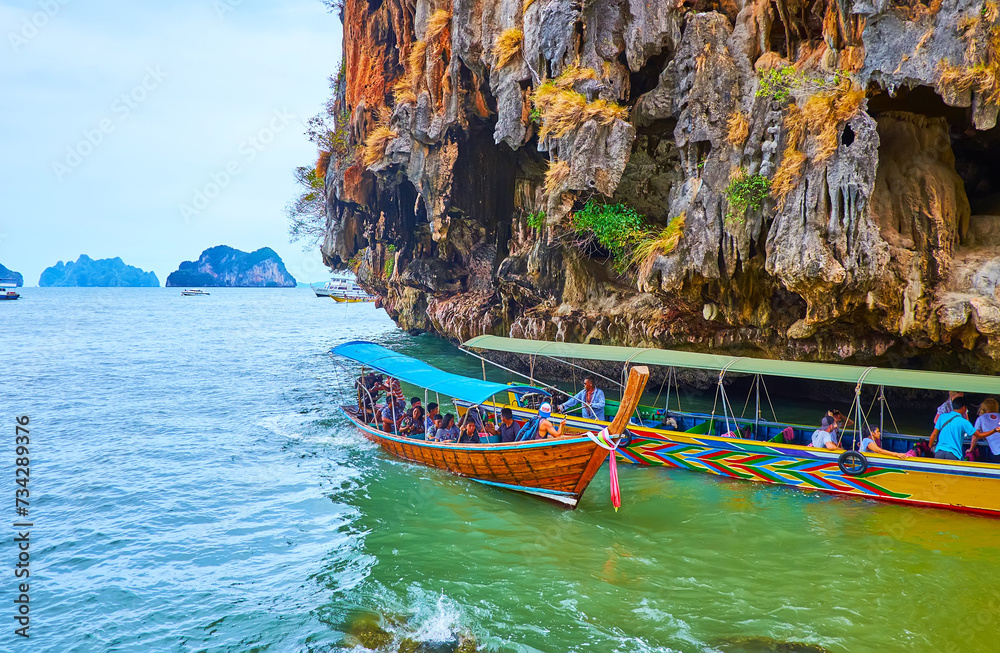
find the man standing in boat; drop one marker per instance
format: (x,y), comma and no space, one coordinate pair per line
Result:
(592,399)
(950,431)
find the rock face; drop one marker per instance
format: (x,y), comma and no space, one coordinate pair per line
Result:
(105,272)
(225,266)
(7,275)
(869,123)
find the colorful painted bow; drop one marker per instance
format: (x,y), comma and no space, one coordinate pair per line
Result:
(605,441)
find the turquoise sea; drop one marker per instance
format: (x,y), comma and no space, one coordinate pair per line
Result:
(193,488)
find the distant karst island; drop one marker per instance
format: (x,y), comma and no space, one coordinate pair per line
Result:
(7,274)
(233,268)
(89,273)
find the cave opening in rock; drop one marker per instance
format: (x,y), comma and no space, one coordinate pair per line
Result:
(398,203)
(483,187)
(848,136)
(974,150)
(647,77)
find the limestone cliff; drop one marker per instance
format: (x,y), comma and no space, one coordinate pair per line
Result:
(8,276)
(815,178)
(86,272)
(228,267)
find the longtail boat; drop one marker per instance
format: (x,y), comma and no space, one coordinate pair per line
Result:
(771,452)
(558,469)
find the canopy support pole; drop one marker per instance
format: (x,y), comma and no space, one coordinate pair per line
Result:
(881,407)
(666,404)
(756,420)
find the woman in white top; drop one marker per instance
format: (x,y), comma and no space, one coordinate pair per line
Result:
(871,442)
(988,428)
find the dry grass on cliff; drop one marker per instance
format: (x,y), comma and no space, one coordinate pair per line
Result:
(322,165)
(653,245)
(573,74)
(981,70)
(405,90)
(507,46)
(562,109)
(437,24)
(556,176)
(376,143)
(814,128)
(739,129)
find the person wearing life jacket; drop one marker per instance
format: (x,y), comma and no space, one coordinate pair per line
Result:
(545,428)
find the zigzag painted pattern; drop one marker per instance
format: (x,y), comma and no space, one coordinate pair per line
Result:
(768,468)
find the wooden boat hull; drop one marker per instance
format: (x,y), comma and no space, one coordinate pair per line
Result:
(558,470)
(957,485)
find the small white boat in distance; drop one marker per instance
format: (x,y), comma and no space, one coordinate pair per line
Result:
(191,292)
(8,293)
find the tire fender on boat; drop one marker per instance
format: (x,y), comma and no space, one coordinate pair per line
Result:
(852,463)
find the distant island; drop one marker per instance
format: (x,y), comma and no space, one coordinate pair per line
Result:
(233,268)
(89,273)
(7,274)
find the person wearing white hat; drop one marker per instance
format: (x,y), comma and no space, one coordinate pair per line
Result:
(545,428)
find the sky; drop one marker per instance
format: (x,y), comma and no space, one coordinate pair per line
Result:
(152,131)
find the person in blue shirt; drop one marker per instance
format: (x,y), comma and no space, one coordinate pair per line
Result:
(432,414)
(393,414)
(592,399)
(950,430)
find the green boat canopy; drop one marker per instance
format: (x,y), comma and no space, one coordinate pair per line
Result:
(795,369)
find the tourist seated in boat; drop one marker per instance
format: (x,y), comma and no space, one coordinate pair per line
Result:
(432,414)
(414,402)
(393,414)
(591,398)
(839,421)
(470,433)
(948,405)
(823,438)
(433,426)
(447,432)
(368,389)
(413,424)
(545,428)
(947,438)
(506,428)
(871,442)
(988,428)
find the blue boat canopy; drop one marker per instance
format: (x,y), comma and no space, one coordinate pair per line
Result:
(421,374)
